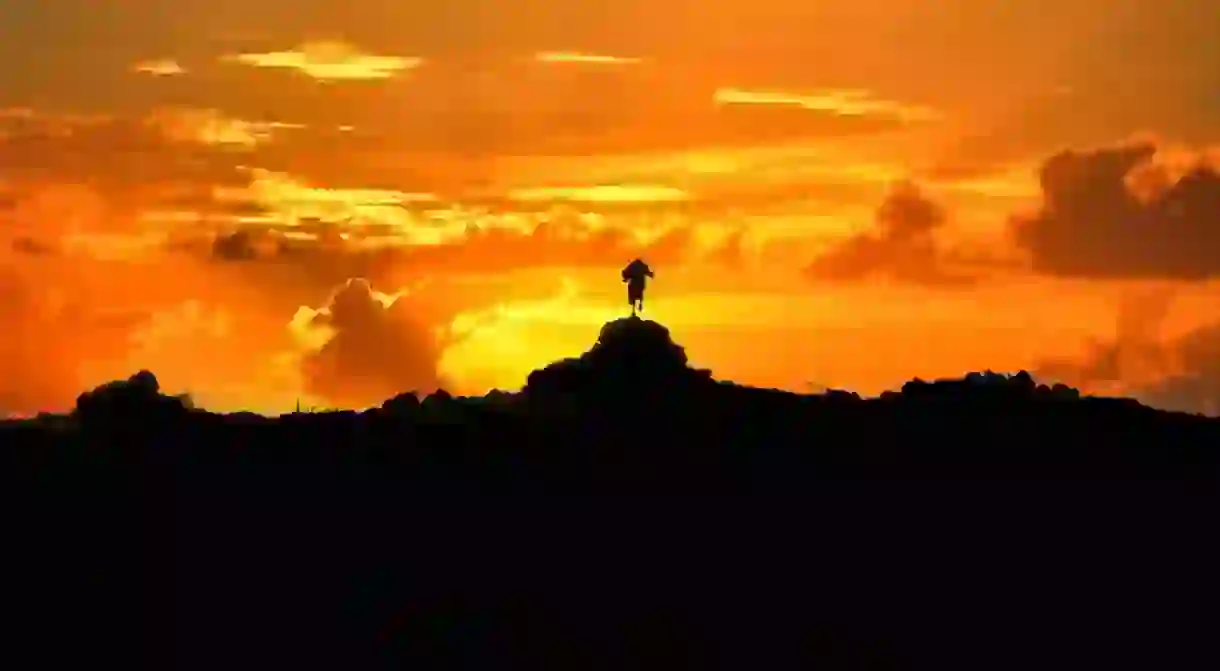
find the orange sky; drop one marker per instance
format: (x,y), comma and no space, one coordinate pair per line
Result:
(840,193)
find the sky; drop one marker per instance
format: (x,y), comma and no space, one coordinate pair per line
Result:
(268,202)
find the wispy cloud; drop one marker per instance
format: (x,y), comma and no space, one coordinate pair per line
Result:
(845,102)
(606,193)
(330,60)
(290,201)
(122,154)
(159,67)
(211,127)
(579,57)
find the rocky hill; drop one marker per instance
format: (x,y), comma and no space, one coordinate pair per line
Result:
(622,509)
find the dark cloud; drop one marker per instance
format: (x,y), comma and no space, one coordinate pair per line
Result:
(248,244)
(902,247)
(1094,222)
(376,351)
(1134,349)
(1178,373)
(1195,386)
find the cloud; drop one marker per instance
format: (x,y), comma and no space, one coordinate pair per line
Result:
(85,298)
(212,127)
(620,123)
(561,241)
(1118,212)
(1195,384)
(602,193)
(247,244)
(1176,373)
(584,58)
(330,61)
(1133,353)
(126,153)
(160,67)
(839,102)
(379,348)
(293,199)
(902,246)
(467,120)
(78,318)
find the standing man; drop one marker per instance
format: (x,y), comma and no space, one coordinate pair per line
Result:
(636,275)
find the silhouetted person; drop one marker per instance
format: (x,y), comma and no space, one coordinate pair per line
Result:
(636,275)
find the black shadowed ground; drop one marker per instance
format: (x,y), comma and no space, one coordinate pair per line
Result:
(622,510)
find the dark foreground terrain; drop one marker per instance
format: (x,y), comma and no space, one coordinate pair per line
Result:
(623,511)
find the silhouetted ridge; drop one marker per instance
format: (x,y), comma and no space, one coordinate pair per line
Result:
(632,358)
(136,399)
(628,341)
(987,386)
(624,505)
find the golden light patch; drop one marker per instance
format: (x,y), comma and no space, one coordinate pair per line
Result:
(211,127)
(578,57)
(292,201)
(160,67)
(1009,184)
(609,193)
(17,113)
(842,102)
(331,60)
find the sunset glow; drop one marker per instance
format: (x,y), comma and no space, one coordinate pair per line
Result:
(845,194)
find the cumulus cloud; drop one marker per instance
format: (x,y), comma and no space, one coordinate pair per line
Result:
(379,347)
(1194,384)
(901,247)
(1134,352)
(1180,372)
(1119,213)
